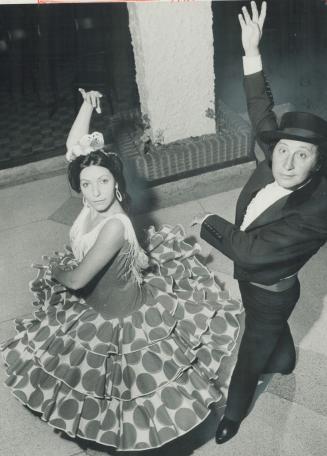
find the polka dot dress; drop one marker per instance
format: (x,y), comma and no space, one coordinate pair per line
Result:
(136,382)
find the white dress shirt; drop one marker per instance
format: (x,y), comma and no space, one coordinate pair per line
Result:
(271,193)
(265,198)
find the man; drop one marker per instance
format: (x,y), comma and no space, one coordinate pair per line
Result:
(281,221)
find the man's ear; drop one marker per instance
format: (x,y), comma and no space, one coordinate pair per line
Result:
(320,161)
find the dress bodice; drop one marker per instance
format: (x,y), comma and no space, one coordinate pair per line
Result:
(82,240)
(116,290)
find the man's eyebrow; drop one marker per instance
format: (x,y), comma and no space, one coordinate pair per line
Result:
(302,146)
(309,149)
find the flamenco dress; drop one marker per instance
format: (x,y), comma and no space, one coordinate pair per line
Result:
(133,360)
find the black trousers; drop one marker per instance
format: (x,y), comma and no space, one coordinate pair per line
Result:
(266,346)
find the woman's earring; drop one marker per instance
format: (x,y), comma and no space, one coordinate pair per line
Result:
(85,204)
(118,194)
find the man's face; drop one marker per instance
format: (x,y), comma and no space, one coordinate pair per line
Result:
(293,162)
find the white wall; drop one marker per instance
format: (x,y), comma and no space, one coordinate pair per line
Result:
(173,49)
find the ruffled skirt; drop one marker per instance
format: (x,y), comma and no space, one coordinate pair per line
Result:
(134,383)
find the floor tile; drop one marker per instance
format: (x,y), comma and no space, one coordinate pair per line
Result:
(299,431)
(181,214)
(222,204)
(68,211)
(307,385)
(22,247)
(31,202)
(309,318)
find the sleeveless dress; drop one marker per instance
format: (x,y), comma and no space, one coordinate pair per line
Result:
(132,360)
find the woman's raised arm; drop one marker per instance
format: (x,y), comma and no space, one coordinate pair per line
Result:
(81,124)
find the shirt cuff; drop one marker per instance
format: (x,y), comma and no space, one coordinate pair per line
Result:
(252,65)
(205,217)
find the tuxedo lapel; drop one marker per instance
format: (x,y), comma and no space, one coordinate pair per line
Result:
(284,205)
(261,177)
(271,214)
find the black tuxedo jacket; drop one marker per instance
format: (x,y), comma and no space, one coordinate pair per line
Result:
(283,238)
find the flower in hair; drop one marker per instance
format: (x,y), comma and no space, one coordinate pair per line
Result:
(86,145)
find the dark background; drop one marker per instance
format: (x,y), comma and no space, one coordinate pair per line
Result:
(293,47)
(48,48)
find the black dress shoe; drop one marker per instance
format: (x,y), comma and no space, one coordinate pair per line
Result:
(280,371)
(226,430)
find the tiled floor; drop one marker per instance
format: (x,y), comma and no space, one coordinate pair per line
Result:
(289,417)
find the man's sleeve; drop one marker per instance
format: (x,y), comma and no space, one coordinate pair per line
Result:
(259,100)
(252,65)
(285,240)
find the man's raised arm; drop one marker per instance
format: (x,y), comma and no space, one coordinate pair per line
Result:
(258,95)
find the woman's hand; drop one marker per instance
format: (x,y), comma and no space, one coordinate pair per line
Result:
(54,270)
(92,98)
(81,124)
(252,28)
(54,267)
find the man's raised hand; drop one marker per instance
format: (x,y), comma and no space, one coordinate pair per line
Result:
(252,28)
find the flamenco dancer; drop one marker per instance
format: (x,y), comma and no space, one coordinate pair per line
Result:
(281,222)
(118,352)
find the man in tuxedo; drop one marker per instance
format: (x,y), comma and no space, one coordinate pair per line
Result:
(281,221)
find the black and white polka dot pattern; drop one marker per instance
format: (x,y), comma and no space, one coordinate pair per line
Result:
(135,382)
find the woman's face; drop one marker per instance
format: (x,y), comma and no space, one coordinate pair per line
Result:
(98,187)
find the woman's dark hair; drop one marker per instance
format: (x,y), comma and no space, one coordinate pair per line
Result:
(102,157)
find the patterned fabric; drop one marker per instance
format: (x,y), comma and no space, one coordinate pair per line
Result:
(136,382)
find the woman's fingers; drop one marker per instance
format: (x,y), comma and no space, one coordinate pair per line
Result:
(96,103)
(89,98)
(83,93)
(98,106)
(93,98)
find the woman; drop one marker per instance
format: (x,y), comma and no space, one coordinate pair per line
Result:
(124,348)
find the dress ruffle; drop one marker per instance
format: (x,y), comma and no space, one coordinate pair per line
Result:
(132,383)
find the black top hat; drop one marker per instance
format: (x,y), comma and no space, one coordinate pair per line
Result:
(299,126)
